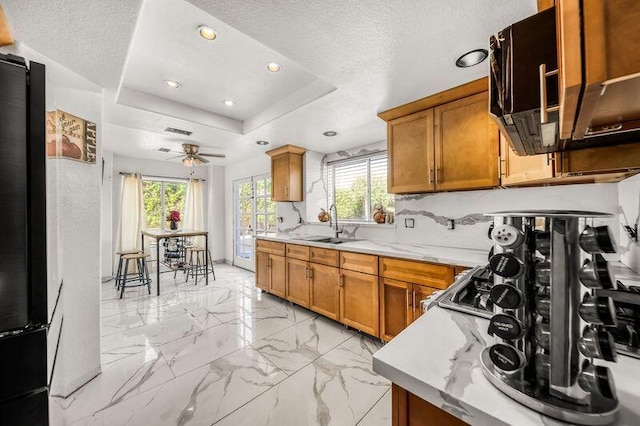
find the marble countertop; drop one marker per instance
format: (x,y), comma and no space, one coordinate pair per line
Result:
(426,253)
(438,359)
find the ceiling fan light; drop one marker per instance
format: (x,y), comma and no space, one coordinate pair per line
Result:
(187,161)
(197,161)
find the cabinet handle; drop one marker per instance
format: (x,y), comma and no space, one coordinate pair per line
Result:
(407,297)
(306,273)
(544,110)
(502,167)
(414,300)
(286,191)
(311,273)
(438,175)
(341,280)
(430,175)
(270,264)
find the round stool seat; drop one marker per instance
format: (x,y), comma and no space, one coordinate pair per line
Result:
(138,255)
(123,252)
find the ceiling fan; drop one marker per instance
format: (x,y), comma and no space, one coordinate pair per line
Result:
(192,155)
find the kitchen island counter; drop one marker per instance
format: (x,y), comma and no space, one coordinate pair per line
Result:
(437,358)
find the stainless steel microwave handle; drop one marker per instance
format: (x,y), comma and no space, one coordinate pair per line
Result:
(544,109)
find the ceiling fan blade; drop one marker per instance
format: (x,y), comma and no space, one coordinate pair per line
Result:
(174,157)
(213,155)
(202,160)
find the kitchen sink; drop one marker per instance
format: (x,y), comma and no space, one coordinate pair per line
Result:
(327,240)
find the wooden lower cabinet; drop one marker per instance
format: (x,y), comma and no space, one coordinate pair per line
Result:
(298,281)
(399,305)
(262,270)
(359,301)
(420,293)
(324,290)
(277,276)
(409,410)
(396,309)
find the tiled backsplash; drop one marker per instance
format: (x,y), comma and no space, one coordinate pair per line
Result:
(430,212)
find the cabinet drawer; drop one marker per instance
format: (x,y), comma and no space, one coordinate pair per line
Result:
(357,262)
(296,251)
(272,247)
(438,276)
(324,256)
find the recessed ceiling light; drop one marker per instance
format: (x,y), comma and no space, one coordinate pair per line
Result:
(330,133)
(273,66)
(472,58)
(228,102)
(172,84)
(207,32)
(262,142)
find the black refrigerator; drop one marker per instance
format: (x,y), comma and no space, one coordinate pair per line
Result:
(23,265)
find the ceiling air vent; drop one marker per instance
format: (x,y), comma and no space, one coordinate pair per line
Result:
(164,150)
(178,131)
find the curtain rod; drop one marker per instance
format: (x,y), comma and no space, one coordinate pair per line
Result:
(162,177)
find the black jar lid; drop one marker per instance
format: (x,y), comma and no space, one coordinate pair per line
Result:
(506,296)
(505,357)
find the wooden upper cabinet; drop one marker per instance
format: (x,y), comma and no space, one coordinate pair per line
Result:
(599,55)
(521,169)
(443,142)
(466,145)
(287,173)
(410,153)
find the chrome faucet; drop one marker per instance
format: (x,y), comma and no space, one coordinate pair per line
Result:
(335,227)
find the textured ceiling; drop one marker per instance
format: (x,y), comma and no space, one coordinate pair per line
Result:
(378,53)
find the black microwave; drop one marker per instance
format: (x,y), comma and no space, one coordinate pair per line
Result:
(515,84)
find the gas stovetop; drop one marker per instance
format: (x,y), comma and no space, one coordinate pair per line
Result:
(470,293)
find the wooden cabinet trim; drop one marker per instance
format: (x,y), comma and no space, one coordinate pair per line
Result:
(467,89)
(297,251)
(358,262)
(286,149)
(272,247)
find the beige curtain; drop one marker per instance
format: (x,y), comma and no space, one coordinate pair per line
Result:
(194,210)
(133,218)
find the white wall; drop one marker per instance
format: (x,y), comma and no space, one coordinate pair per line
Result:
(106,225)
(629,200)
(73,222)
(216,212)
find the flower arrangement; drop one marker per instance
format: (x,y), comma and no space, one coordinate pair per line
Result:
(173,216)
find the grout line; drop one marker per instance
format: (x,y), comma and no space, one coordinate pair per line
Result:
(373,406)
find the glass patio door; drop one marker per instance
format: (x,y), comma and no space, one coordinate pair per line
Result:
(254,214)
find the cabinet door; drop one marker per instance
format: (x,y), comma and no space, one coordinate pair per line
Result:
(418,294)
(409,410)
(522,169)
(262,270)
(277,276)
(466,145)
(396,311)
(298,281)
(359,301)
(410,153)
(280,177)
(325,298)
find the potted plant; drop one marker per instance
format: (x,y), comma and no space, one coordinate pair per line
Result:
(174,218)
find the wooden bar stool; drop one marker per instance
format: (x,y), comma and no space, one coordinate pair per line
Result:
(121,262)
(141,276)
(199,268)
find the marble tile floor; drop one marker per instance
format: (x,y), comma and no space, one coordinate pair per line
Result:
(225,354)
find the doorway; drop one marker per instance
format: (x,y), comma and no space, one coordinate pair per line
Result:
(254,214)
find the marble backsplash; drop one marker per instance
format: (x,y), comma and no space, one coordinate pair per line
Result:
(431,212)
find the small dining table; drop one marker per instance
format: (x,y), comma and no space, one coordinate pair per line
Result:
(158,235)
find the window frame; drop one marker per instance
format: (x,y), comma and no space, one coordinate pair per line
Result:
(331,180)
(162,182)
